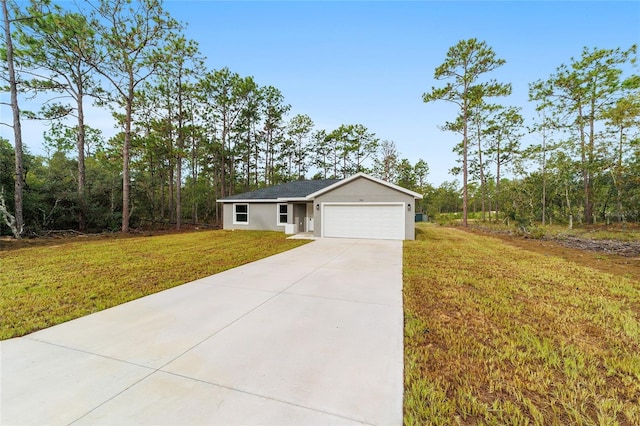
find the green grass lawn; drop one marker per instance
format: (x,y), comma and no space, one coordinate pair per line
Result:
(497,334)
(44,285)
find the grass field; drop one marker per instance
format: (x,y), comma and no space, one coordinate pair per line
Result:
(498,334)
(56,281)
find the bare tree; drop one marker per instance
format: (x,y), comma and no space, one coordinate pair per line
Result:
(17,226)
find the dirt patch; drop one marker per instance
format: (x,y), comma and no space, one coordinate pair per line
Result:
(621,248)
(610,256)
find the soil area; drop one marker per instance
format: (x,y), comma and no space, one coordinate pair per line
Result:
(610,256)
(621,248)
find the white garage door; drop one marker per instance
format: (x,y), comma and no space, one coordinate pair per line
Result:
(379,221)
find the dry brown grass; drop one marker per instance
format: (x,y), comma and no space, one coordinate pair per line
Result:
(496,333)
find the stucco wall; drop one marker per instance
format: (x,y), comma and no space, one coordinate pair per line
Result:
(262,217)
(365,190)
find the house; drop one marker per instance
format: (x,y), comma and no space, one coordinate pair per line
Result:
(360,206)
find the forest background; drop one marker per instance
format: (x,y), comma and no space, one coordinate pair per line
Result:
(187,135)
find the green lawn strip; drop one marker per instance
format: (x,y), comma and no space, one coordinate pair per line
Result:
(47,285)
(495,334)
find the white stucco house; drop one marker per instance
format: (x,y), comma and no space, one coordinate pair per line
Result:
(360,206)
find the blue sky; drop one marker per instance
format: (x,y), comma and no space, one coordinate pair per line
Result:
(369,62)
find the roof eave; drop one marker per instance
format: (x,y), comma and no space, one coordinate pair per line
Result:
(248,200)
(263,200)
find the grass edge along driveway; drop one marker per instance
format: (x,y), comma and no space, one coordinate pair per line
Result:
(496,334)
(49,284)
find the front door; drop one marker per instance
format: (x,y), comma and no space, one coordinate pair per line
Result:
(308,220)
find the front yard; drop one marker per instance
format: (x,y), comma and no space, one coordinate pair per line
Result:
(60,280)
(498,334)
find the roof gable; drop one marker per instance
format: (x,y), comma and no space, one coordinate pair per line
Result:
(306,190)
(364,176)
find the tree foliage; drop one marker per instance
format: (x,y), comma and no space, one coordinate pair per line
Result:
(464,65)
(188,135)
(580,97)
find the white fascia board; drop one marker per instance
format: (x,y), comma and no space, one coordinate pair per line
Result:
(366,176)
(272,200)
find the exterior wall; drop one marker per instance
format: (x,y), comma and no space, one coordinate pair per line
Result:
(262,217)
(365,190)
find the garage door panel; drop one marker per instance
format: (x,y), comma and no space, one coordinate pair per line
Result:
(379,221)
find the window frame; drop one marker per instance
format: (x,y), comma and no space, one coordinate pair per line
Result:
(235,214)
(279,214)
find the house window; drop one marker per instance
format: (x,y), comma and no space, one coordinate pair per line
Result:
(241,214)
(283,214)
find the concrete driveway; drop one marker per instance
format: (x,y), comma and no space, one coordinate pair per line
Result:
(309,336)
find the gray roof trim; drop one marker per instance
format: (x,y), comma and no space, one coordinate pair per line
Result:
(365,176)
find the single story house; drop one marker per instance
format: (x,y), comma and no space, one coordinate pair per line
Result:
(360,206)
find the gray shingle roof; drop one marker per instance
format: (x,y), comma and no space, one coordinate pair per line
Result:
(295,189)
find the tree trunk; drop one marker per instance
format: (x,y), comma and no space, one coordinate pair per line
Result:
(257,161)
(82,217)
(619,177)
(171,189)
(179,159)
(194,173)
(152,172)
(585,168)
(498,161)
(590,159)
(465,197)
(223,158)
(544,177)
(17,128)
(162,198)
(126,179)
(482,179)
(179,191)
(232,169)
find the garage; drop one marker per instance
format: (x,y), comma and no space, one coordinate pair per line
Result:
(384,221)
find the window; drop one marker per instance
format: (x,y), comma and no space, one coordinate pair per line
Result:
(241,214)
(283,214)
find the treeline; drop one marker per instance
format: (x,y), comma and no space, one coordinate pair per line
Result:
(586,164)
(189,135)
